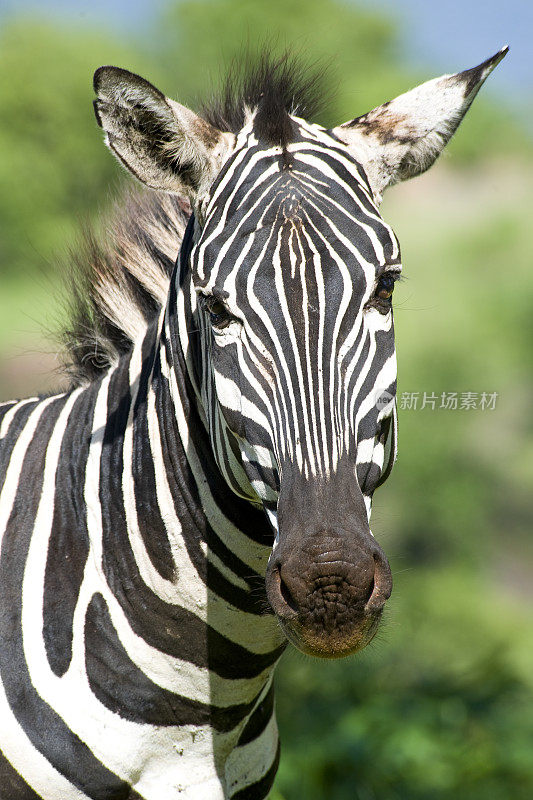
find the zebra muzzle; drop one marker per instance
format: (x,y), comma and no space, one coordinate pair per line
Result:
(329,608)
(328,581)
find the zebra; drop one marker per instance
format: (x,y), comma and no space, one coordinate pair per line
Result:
(201,494)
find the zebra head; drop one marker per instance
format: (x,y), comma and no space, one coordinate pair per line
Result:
(286,305)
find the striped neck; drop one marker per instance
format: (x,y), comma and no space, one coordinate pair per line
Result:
(185,560)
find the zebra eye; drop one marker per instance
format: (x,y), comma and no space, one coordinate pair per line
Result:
(381,299)
(385,286)
(219,314)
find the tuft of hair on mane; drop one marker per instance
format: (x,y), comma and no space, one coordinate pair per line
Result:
(118,286)
(272,86)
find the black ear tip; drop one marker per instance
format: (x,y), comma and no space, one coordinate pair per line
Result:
(107,76)
(487,66)
(99,77)
(475,77)
(110,80)
(497,57)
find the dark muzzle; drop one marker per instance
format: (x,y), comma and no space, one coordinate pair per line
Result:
(328,579)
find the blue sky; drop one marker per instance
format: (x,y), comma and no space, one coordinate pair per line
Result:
(444,37)
(448,32)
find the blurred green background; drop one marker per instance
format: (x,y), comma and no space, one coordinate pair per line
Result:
(441,705)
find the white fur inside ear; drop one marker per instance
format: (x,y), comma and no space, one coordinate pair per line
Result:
(164,144)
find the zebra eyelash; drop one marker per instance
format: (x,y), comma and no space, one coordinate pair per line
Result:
(393,272)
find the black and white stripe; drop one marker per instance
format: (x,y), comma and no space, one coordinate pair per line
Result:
(128,603)
(296,254)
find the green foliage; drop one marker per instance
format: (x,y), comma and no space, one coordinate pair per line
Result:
(440,708)
(54,169)
(462,320)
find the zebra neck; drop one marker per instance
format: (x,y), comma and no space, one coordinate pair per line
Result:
(185,539)
(139,614)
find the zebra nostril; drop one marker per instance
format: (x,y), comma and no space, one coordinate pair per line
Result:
(286,594)
(371,587)
(281,597)
(381,585)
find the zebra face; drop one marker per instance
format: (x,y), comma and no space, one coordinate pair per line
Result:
(293,272)
(286,311)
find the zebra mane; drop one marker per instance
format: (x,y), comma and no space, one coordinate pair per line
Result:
(273,87)
(119,281)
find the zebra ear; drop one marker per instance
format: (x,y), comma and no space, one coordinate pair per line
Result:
(164,144)
(403,137)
